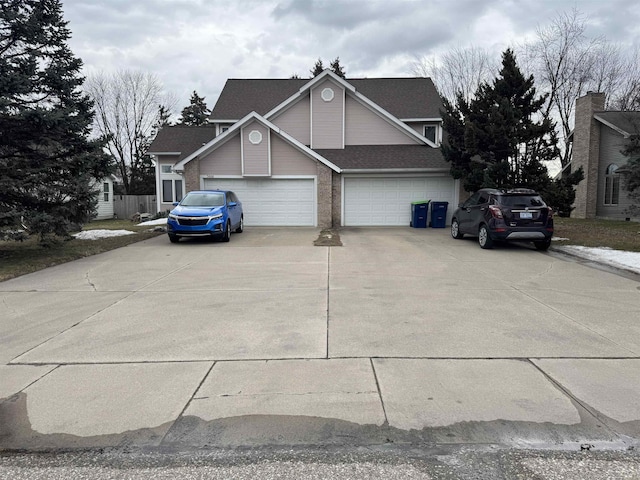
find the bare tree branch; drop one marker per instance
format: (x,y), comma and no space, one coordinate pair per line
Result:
(127,104)
(461,69)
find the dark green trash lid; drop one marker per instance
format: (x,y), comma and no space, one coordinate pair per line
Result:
(420,202)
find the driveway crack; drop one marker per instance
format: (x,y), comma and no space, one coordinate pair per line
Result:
(90,282)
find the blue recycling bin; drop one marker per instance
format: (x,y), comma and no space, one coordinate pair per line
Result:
(419,212)
(439,214)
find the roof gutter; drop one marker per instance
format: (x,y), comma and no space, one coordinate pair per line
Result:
(394,170)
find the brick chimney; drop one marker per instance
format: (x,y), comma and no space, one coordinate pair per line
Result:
(586,152)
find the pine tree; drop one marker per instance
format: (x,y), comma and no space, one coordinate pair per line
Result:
(631,173)
(142,172)
(47,163)
(196,113)
(337,68)
(497,139)
(317,69)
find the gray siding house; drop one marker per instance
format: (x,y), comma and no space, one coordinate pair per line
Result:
(322,152)
(598,140)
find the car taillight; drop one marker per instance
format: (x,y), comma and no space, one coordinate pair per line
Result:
(495,211)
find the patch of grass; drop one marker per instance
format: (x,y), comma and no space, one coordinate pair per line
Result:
(19,258)
(614,234)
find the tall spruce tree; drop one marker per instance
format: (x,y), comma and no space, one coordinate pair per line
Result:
(317,69)
(47,163)
(337,68)
(501,139)
(196,113)
(498,139)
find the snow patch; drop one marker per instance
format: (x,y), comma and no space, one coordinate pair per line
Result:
(605,255)
(159,221)
(96,234)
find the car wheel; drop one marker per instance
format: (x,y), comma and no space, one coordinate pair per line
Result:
(543,245)
(227,232)
(484,239)
(455,229)
(173,238)
(240,225)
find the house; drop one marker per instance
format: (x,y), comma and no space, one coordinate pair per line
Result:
(322,152)
(105,208)
(170,146)
(599,137)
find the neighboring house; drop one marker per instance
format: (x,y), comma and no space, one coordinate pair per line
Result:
(598,138)
(171,145)
(321,152)
(105,198)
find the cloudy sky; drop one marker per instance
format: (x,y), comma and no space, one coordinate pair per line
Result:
(198,44)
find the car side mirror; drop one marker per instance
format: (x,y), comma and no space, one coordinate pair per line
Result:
(232,204)
(175,204)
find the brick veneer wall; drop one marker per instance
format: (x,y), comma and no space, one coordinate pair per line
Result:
(325,193)
(336,199)
(586,151)
(192,175)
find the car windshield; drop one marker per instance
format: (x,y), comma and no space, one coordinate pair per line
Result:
(522,201)
(213,199)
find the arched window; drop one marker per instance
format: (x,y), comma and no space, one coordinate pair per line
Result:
(611,185)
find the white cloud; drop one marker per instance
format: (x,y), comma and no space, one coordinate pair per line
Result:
(198,44)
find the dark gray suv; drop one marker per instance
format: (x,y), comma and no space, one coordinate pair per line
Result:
(504,215)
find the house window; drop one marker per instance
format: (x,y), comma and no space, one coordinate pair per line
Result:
(178,189)
(612,185)
(165,168)
(171,191)
(431,132)
(105,191)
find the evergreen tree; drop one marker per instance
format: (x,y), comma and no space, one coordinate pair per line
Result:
(500,138)
(142,172)
(196,113)
(47,163)
(631,173)
(337,68)
(317,69)
(495,139)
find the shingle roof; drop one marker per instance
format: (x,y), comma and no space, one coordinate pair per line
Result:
(182,139)
(364,157)
(402,97)
(628,122)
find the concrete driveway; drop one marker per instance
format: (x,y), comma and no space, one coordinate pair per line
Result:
(401,335)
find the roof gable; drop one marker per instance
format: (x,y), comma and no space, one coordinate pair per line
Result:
(404,98)
(237,128)
(181,140)
(625,123)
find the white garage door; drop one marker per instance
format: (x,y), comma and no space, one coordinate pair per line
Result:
(272,202)
(387,201)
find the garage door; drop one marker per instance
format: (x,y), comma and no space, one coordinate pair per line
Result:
(272,202)
(387,201)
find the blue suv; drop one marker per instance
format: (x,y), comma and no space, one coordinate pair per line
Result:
(206,213)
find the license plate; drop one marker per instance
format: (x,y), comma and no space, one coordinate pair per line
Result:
(526,215)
